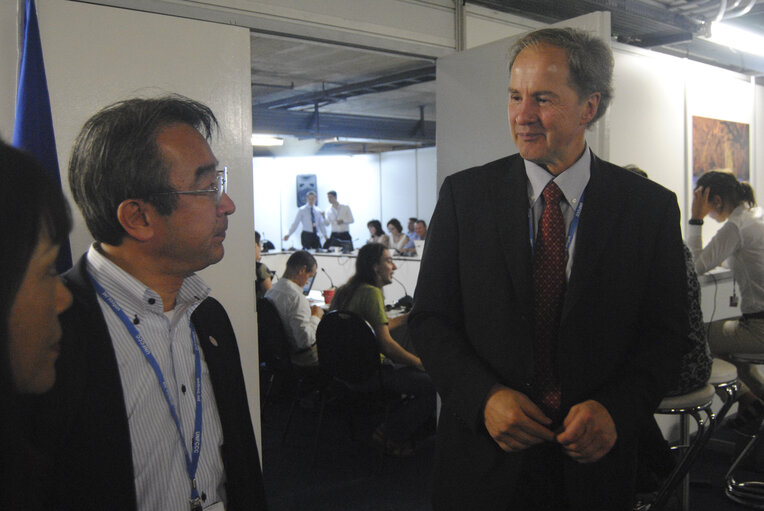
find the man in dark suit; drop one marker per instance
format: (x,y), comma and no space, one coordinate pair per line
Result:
(551,345)
(149,409)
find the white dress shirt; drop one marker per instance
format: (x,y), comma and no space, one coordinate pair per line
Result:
(341,212)
(739,244)
(161,480)
(572,182)
(303,217)
(299,324)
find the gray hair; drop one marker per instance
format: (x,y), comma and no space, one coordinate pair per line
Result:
(590,61)
(116,157)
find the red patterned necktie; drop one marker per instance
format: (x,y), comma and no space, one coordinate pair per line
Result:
(549,289)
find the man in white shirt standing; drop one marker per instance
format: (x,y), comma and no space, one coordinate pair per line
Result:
(339,217)
(149,410)
(299,318)
(312,220)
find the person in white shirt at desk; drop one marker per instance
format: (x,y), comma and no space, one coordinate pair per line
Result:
(300,319)
(397,240)
(339,217)
(312,220)
(739,242)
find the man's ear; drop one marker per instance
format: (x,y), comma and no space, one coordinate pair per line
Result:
(591,105)
(136,217)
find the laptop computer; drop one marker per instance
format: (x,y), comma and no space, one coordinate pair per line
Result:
(306,289)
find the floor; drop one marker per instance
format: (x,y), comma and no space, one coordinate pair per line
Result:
(348,474)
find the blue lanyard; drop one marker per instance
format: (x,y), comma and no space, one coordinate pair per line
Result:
(571,230)
(192,462)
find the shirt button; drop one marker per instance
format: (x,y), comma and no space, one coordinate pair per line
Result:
(183,388)
(152,301)
(204,497)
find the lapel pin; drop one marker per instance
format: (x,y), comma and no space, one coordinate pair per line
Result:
(213,341)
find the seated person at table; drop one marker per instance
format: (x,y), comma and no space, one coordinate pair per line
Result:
(740,241)
(377,234)
(410,228)
(401,371)
(300,319)
(397,240)
(262,273)
(420,228)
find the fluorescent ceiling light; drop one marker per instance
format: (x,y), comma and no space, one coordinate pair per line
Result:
(737,38)
(266,140)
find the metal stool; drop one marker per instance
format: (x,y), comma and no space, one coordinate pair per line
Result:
(686,406)
(723,380)
(746,493)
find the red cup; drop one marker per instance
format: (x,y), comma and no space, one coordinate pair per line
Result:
(328,295)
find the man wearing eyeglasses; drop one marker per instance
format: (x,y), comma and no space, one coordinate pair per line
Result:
(149,409)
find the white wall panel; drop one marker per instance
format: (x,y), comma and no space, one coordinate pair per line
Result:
(398,186)
(647,116)
(9,37)
(96,55)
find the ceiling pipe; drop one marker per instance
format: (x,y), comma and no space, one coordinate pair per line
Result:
(742,12)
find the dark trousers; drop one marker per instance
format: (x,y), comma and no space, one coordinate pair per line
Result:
(408,418)
(541,485)
(334,240)
(310,240)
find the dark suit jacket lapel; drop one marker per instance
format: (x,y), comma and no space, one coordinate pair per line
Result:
(510,202)
(107,453)
(598,218)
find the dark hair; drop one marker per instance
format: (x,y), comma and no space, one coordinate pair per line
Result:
(633,168)
(377,227)
(297,261)
(368,256)
(257,237)
(424,224)
(726,186)
(116,157)
(396,224)
(590,61)
(413,219)
(332,192)
(31,201)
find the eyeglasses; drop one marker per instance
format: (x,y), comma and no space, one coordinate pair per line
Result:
(220,187)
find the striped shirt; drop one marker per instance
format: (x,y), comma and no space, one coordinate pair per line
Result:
(161,480)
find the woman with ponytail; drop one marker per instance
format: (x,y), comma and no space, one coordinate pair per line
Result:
(739,242)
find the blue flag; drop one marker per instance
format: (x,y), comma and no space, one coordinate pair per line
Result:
(33,128)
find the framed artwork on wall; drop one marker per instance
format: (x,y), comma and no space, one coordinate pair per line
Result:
(720,145)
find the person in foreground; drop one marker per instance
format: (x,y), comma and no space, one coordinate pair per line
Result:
(149,409)
(32,298)
(299,317)
(402,371)
(549,360)
(739,243)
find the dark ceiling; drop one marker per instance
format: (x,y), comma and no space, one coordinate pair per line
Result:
(364,101)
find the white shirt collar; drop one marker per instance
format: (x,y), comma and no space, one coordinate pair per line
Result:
(572,181)
(132,293)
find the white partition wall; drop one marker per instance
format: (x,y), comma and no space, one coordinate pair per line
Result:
(97,55)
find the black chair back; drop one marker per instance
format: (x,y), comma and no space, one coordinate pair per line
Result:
(272,342)
(347,347)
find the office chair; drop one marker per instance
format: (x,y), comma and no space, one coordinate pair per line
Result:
(273,349)
(348,353)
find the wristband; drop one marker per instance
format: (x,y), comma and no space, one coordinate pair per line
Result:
(696,221)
